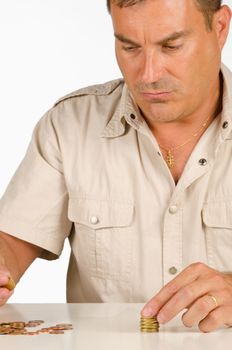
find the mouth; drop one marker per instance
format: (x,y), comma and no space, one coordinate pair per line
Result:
(157,96)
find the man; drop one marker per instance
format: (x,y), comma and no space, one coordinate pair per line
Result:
(137,174)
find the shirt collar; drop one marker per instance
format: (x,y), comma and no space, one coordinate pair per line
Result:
(226,114)
(126,112)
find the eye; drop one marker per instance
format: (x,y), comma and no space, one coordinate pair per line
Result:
(172,47)
(129,48)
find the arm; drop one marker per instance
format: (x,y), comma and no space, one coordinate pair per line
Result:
(15,257)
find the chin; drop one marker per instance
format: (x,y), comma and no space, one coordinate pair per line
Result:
(160,115)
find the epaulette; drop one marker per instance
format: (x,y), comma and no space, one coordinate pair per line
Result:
(99,89)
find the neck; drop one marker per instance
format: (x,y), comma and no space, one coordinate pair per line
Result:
(178,138)
(169,134)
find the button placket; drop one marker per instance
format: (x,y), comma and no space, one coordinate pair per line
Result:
(172,242)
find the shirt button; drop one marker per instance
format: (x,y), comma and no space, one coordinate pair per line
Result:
(225,125)
(173,270)
(202,161)
(173,209)
(94,220)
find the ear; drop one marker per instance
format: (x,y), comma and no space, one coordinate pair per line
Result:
(221,24)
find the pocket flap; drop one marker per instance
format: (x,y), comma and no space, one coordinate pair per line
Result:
(218,214)
(98,213)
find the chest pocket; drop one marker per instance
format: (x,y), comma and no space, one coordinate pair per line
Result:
(217,218)
(102,242)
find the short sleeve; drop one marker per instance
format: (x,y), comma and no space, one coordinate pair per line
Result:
(34,205)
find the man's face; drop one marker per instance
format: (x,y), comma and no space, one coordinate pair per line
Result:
(169,59)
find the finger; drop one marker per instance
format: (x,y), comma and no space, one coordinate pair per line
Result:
(179,293)
(7,285)
(217,318)
(186,277)
(4,278)
(7,282)
(4,275)
(199,310)
(186,298)
(5,294)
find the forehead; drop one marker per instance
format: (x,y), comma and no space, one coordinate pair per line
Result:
(157,17)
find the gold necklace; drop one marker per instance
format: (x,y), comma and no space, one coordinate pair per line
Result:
(170,160)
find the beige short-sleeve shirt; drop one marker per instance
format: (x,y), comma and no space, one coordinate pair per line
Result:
(94,173)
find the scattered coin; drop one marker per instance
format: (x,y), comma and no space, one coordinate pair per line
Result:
(149,324)
(22,328)
(56,332)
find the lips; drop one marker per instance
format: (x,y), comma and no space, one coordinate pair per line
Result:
(157,95)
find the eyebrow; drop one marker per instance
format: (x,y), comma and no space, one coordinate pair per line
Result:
(171,37)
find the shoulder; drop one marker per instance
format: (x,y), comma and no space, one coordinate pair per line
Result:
(95,90)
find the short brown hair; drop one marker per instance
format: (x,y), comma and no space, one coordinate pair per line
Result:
(207,7)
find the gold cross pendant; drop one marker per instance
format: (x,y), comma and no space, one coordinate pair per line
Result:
(170,160)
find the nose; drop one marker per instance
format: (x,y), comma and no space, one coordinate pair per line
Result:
(152,68)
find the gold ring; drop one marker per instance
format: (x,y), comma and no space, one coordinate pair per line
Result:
(214,300)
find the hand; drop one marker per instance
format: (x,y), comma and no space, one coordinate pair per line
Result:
(5,277)
(203,291)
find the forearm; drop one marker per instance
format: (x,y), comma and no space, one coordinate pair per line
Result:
(9,260)
(16,255)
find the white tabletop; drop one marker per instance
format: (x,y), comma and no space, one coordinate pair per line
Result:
(104,326)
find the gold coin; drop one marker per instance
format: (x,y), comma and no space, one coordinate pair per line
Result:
(20,328)
(149,324)
(56,332)
(19,325)
(10,284)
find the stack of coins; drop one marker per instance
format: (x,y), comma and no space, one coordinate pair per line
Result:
(21,328)
(149,324)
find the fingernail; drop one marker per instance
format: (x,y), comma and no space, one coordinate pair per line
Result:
(147,312)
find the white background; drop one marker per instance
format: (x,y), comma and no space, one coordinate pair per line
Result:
(49,48)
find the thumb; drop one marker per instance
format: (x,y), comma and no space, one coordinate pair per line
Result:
(6,280)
